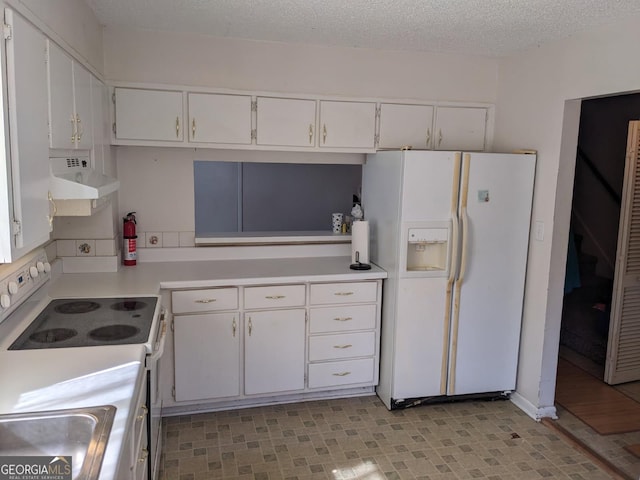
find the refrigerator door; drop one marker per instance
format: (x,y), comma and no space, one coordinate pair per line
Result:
(495,219)
(419,368)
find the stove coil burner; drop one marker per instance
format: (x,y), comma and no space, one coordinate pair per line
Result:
(77,306)
(53,335)
(113,333)
(128,306)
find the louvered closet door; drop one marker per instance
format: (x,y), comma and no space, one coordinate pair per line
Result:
(623,353)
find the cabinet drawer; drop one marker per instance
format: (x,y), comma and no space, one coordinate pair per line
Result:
(351,292)
(341,373)
(342,319)
(348,345)
(274,296)
(194,301)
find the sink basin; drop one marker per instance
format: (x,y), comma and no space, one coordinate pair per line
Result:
(81,433)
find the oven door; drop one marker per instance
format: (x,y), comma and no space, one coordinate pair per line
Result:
(154,398)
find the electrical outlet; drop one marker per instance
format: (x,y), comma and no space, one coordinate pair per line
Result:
(540,231)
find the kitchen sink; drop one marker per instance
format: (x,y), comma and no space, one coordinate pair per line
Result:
(81,433)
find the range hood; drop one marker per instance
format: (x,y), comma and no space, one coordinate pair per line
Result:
(72,178)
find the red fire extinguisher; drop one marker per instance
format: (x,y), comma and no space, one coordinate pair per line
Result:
(129,252)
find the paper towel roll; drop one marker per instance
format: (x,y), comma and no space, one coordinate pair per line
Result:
(360,241)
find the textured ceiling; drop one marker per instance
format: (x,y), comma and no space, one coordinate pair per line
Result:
(484,27)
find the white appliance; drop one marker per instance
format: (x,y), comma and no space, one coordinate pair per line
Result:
(37,320)
(452,231)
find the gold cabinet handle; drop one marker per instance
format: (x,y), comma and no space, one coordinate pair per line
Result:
(143,457)
(343,319)
(145,410)
(233,326)
(341,374)
(439,137)
(343,346)
(310,134)
(206,300)
(428,142)
(79,129)
(177,127)
(73,129)
(55,210)
(274,297)
(250,326)
(343,294)
(193,128)
(324,133)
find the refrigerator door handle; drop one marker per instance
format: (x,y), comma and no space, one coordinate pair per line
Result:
(453,264)
(465,240)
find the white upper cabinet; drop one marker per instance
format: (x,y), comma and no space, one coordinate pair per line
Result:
(289,122)
(347,124)
(69,101)
(406,125)
(27,223)
(460,128)
(264,121)
(149,115)
(219,118)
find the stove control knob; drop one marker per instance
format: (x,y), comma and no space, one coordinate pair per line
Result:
(13,288)
(47,267)
(40,267)
(5,301)
(33,271)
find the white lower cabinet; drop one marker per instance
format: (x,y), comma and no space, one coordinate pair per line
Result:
(274,351)
(344,334)
(133,460)
(234,345)
(207,356)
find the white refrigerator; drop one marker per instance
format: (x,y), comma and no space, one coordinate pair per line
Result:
(452,231)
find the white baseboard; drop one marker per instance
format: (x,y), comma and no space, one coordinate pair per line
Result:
(537,413)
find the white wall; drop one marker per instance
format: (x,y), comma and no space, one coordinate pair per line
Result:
(536,108)
(188,59)
(68,22)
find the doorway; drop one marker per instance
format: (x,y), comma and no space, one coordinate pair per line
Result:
(591,259)
(593,235)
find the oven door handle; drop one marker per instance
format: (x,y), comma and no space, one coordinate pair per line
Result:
(163,337)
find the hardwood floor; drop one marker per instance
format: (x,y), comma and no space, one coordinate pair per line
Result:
(610,448)
(599,405)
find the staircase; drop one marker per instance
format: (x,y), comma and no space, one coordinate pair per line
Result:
(585,313)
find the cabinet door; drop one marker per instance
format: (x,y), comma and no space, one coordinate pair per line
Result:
(207,356)
(460,128)
(347,124)
(286,122)
(274,351)
(153,115)
(29,150)
(82,106)
(61,114)
(217,118)
(406,125)
(98,120)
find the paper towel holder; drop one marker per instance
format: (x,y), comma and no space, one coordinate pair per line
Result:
(358,265)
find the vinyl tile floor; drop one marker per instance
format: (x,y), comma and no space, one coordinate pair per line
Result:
(359,439)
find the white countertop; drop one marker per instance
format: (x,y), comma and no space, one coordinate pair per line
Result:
(149,278)
(54,379)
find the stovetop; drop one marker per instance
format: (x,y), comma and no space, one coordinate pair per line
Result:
(85,322)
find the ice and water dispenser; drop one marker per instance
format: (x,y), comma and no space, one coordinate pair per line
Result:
(427,249)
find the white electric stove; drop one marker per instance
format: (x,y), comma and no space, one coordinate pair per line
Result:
(31,319)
